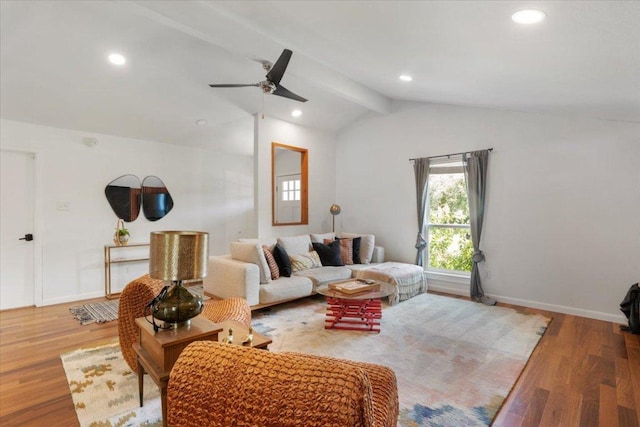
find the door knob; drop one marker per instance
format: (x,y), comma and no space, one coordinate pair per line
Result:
(27,237)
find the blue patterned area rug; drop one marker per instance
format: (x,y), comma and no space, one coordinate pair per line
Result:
(456,361)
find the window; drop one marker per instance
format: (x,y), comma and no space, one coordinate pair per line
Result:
(291,190)
(448,227)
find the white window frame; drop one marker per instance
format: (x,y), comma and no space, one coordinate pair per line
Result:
(444,166)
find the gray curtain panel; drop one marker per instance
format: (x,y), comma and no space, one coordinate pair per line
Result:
(421,170)
(475,173)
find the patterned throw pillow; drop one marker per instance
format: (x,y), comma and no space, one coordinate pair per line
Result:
(271,261)
(306,261)
(346,250)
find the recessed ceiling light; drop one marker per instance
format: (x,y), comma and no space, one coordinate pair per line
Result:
(201,122)
(117,59)
(528,16)
(405,78)
(296,113)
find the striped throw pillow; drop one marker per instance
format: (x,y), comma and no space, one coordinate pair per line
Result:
(271,261)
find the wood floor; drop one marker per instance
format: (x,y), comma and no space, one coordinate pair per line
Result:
(583,373)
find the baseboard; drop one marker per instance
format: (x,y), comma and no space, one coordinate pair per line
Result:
(72,298)
(598,315)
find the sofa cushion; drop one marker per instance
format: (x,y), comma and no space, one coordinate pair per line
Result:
(295,245)
(359,267)
(324,275)
(306,261)
(249,252)
(367,243)
(320,238)
(285,288)
(271,262)
(262,242)
(330,254)
(282,259)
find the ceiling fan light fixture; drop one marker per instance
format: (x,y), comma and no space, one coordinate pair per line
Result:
(117,59)
(405,78)
(271,85)
(296,113)
(528,16)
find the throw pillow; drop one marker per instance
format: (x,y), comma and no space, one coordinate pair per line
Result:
(282,259)
(346,250)
(306,261)
(356,250)
(367,245)
(271,261)
(329,253)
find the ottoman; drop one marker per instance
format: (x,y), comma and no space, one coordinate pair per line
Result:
(409,280)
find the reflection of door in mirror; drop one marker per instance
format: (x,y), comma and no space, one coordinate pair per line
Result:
(156,200)
(124,196)
(289,184)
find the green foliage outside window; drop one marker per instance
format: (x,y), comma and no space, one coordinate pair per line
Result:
(449,248)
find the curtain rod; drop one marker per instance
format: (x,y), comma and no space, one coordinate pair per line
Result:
(449,155)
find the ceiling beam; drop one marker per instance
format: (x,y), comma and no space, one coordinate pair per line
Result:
(212,23)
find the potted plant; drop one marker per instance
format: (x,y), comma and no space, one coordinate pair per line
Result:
(121,236)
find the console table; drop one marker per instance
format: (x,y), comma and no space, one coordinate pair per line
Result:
(109,260)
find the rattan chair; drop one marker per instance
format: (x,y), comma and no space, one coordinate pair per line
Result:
(214,384)
(139,292)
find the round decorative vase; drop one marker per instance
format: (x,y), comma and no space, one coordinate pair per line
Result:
(123,239)
(177,306)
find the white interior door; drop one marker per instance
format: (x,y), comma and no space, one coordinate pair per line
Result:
(16,221)
(288,204)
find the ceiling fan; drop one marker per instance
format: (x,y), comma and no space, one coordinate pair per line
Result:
(274,75)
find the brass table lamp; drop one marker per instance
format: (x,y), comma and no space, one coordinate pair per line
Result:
(177,256)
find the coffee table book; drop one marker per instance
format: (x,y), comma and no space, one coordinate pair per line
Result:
(352,287)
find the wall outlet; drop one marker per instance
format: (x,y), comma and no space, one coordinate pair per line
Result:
(63,206)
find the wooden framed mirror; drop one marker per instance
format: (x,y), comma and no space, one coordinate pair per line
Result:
(289,185)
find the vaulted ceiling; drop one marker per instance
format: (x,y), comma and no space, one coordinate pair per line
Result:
(584,59)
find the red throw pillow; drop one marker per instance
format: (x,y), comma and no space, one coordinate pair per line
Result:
(346,250)
(273,266)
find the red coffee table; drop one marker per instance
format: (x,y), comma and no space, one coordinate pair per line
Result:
(355,312)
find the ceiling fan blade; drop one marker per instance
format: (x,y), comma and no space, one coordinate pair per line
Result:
(236,85)
(277,71)
(282,91)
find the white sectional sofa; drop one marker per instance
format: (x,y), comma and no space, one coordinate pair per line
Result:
(245,272)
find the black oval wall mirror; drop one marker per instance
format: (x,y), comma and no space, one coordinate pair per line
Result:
(156,200)
(125,195)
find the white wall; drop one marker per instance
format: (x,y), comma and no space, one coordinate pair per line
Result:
(562,225)
(322,174)
(212,192)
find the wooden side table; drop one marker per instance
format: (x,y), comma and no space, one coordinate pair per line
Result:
(240,331)
(158,352)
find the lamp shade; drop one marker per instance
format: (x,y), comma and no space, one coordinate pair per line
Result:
(335,209)
(178,255)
